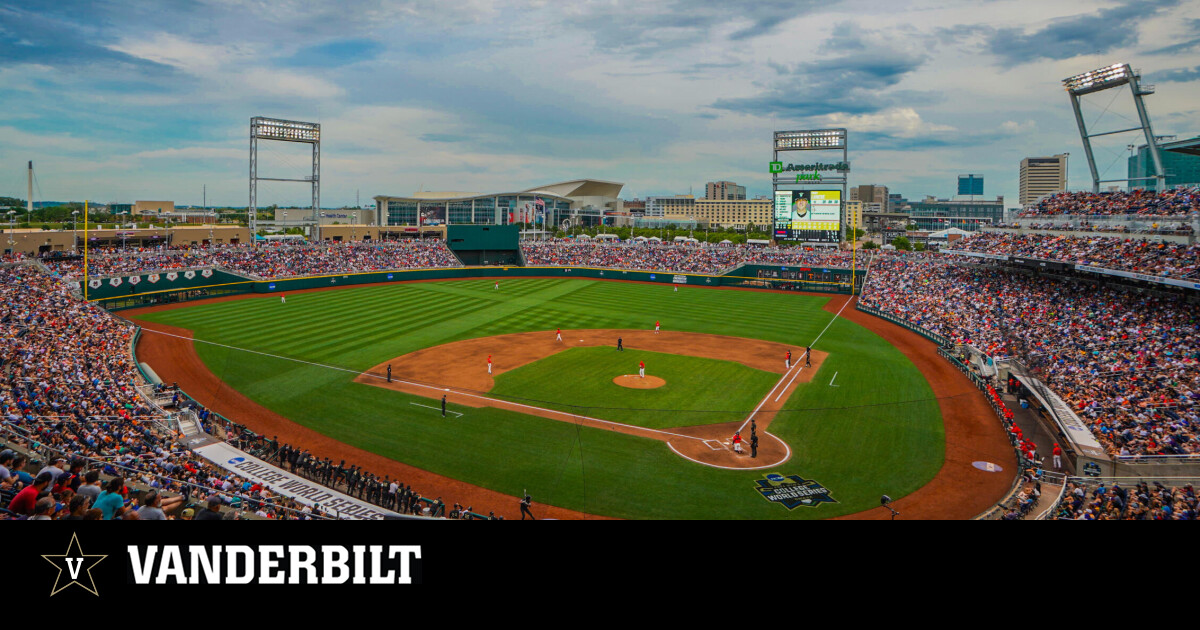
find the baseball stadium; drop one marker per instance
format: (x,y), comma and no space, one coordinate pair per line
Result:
(557,352)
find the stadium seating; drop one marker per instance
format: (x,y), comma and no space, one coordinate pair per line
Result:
(269,262)
(1169,260)
(672,257)
(1180,202)
(1127,363)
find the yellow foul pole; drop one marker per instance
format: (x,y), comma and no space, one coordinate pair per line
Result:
(853,252)
(85,247)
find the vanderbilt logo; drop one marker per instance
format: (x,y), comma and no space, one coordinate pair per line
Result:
(793,491)
(74,567)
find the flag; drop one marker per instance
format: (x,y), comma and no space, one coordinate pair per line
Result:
(539,203)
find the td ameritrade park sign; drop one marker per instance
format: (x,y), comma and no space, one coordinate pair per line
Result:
(778,167)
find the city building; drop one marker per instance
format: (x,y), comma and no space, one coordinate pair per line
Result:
(970,185)
(1181,168)
(934,214)
(677,205)
(633,207)
(583,202)
(724,191)
(871,194)
(854,215)
(1042,176)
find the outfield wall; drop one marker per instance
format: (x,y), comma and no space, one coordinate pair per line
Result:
(118,297)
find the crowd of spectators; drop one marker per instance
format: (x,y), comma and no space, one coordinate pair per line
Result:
(1182,229)
(1168,260)
(690,258)
(1127,363)
(69,399)
(1140,502)
(1145,203)
(267,262)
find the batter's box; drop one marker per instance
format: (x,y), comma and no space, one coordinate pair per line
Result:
(715,445)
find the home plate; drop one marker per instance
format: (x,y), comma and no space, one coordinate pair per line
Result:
(987,466)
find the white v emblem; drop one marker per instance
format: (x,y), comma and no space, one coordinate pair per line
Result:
(73,566)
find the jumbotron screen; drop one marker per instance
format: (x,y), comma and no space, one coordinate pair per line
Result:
(808,215)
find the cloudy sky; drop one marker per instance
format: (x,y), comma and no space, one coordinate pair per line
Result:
(121,100)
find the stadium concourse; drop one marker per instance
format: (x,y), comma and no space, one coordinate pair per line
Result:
(85,442)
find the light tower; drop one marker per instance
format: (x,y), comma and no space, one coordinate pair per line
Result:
(1116,75)
(284,131)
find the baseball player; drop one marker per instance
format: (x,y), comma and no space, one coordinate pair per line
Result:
(642,369)
(489,364)
(497,284)
(389,372)
(808,356)
(737,442)
(1057,456)
(677,288)
(558,335)
(657,325)
(282,299)
(787,361)
(619,346)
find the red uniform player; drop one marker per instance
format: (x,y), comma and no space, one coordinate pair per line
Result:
(642,369)
(489,364)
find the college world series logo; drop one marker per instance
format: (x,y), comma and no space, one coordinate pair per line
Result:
(792,491)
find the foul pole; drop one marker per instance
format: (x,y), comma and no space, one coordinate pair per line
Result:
(85,248)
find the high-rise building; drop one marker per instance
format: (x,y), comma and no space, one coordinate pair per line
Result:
(970,185)
(1181,168)
(724,191)
(869,194)
(1041,176)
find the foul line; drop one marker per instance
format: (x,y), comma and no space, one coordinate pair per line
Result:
(433,387)
(434,408)
(797,368)
(833,379)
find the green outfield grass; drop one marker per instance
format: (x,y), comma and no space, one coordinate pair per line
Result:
(580,380)
(861,438)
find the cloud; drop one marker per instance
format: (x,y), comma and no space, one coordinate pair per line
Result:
(1176,75)
(1090,33)
(51,41)
(852,83)
(648,27)
(336,53)
(901,121)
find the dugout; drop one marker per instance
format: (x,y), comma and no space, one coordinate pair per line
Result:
(477,245)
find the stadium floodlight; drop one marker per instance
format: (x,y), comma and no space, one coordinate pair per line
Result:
(1100,79)
(1116,75)
(278,129)
(812,139)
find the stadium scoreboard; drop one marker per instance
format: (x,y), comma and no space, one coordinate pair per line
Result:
(808,215)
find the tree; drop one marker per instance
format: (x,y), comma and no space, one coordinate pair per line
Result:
(750,227)
(859,233)
(902,243)
(911,227)
(870,245)
(920,247)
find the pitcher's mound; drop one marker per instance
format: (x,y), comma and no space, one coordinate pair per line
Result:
(636,382)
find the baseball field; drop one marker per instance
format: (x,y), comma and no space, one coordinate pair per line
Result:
(553,419)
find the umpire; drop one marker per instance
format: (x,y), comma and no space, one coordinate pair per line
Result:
(443,405)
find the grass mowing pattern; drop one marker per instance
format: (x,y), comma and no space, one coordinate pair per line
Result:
(580,380)
(856,450)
